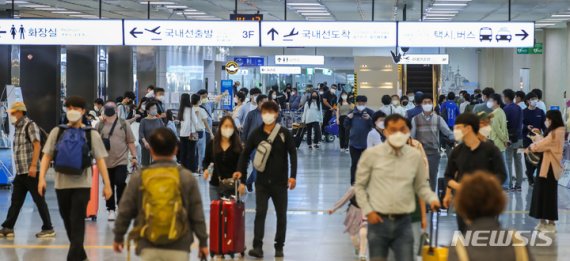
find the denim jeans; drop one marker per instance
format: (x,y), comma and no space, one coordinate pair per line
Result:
(201,150)
(434,157)
(507,182)
(512,153)
(391,234)
(253,176)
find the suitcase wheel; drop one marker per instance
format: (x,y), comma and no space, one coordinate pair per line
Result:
(232,255)
(212,255)
(242,254)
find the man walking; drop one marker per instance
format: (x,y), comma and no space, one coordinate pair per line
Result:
(26,157)
(426,128)
(514,128)
(252,122)
(359,121)
(119,140)
(273,182)
(388,197)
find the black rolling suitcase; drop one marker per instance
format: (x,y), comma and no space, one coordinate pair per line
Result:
(441,188)
(298,133)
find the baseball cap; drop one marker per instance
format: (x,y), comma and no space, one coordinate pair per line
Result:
(17,106)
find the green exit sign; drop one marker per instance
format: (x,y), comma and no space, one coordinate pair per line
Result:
(536,50)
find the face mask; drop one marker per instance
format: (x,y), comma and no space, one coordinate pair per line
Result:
(109,111)
(485,131)
(205,100)
(227,132)
(458,135)
(160,98)
(427,107)
(344,97)
(490,104)
(149,94)
(153,112)
(533,103)
(360,107)
(395,102)
(333,91)
(380,125)
(314,97)
(405,103)
(268,118)
(321,93)
(13,119)
(73,116)
(547,123)
(398,139)
(274,96)
(411,98)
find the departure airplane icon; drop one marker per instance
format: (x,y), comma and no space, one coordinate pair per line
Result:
(292,33)
(154,31)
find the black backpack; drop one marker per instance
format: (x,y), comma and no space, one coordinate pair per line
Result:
(43,135)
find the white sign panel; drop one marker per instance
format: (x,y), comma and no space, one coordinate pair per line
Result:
(300,59)
(61,32)
(424,59)
(466,34)
(191,33)
(328,34)
(280,69)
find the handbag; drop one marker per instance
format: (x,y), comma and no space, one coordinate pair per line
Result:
(264,150)
(107,141)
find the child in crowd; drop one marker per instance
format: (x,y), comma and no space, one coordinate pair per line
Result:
(355,223)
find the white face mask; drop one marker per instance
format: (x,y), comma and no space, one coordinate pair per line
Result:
(149,94)
(344,97)
(533,103)
(333,91)
(411,98)
(490,104)
(274,96)
(458,135)
(395,102)
(227,132)
(321,93)
(427,107)
(160,98)
(153,112)
(205,100)
(360,107)
(268,118)
(73,116)
(13,119)
(398,139)
(547,123)
(380,125)
(485,131)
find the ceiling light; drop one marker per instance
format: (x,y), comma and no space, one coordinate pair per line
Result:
(449,4)
(443,11)
(313,11)
(194,13)
(453,0)
(66,12)
(443,15)
(307,7)
(190,10)
(438,18)
(19,2)
(561,15)
(84,16)
(157,3)
(315,14)
(304,4)
(555,19)
(544,24)
(34,6)
(50,9)
(176,6)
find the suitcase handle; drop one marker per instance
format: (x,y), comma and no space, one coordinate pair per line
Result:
(433,243)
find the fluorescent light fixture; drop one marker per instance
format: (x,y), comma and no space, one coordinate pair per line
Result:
(157,3)
(561,15)
(438,18)
(34,6)
(194,13)
(18,2)
(315,14)
(544,24)
(84,16)
(50,9)
(441,15)
(176,6)
(453,1)
(312,11)
(304,4)
(65,12)
(448,4)
(190,10)
(555,19)
(435,11)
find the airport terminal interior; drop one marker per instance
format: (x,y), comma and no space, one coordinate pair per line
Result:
(343,90)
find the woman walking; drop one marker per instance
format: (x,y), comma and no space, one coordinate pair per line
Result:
(343,109)
(188,133)
(148,125)
(313,118)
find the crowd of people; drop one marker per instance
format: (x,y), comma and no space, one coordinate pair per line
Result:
(480,134)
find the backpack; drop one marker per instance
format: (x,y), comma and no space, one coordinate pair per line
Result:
(264,150)
(72,152)
(43,135)
(163,219)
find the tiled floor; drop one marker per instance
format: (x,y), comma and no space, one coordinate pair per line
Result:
(312,235)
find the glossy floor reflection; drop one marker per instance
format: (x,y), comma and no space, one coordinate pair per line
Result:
(312,235)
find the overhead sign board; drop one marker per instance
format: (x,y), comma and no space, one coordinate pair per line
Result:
(424,59)
(300,59)
(328,34)
(61,32)
(280,69)
(191,33)
(537,49)
(246,17)
(466,34)
(249,61)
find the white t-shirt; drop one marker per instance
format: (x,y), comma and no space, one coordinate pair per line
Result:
(202,115)
(373,139)
(189,123)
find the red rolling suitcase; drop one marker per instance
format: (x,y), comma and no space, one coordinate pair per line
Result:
(93,204)
(227,226)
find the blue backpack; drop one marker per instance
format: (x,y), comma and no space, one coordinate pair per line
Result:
(72,150)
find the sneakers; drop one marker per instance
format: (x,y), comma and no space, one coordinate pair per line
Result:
(540,226)
(112,215)
(256,252)
(279,252)
(6,232)
(363,258)
(46,234)
(311,147)
(550,228)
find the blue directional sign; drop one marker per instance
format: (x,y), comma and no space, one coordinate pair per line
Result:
(227,90)
(249,61)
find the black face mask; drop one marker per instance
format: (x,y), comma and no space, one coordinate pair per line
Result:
(405,103)
(314,97)
(109,111)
